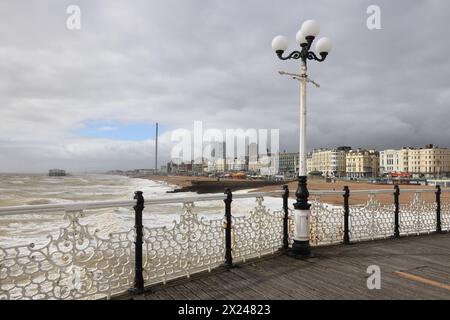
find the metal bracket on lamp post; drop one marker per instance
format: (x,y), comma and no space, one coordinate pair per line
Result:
(298,77)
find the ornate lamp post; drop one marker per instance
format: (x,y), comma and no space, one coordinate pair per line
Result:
(305,37)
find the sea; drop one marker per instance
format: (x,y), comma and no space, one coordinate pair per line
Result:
(38,189)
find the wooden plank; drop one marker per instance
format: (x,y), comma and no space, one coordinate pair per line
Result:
(212,290)
(288,281)
(237,284)
(358,289)
(388,262)
(412,268)
(272,280)
(429,282)
(222,287)
(196,287)
(173,293)
(260,284)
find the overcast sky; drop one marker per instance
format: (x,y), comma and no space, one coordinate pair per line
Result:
(88,99)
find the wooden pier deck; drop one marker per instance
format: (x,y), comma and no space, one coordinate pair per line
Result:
(411,268)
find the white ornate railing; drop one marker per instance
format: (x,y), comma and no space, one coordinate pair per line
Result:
(445,215)
(190,245)
(373,219)
(76,263)
(80,263)
(326,222)
(259,233)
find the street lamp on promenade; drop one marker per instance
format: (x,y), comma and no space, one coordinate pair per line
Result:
(305,37)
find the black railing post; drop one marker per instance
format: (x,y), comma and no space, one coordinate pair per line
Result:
(228,226)
(138,276)
(397,211)
(346,196)
(285,218)
(438,209)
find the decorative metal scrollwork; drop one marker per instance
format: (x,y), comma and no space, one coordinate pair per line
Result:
(325,224)
(193,244)
(76,264)
(418,216)
(445,216)
(295,55)
(259,233)
(312,56)
(371,221)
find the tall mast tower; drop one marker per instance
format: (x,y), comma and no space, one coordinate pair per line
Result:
(156,149)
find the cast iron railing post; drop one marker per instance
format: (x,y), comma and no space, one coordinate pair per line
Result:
(438,209)
(397,212)
(285,218)
(138,277)
(346,196)
(228,226)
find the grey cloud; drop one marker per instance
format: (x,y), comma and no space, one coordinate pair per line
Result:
(178,61)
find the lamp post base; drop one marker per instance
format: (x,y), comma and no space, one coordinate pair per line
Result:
(300,250)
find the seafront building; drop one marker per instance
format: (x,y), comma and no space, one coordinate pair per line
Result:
(221,165)
(173,167)
(361,163)
(288,163)
(255,166)
(394,161)
(237,164)
(329,162)
(428,162)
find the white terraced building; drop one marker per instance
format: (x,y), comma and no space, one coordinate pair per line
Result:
(428,162)
(393,161)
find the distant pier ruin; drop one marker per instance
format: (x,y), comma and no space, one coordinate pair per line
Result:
(56,173)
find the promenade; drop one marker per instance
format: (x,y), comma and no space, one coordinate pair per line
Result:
(416,267)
